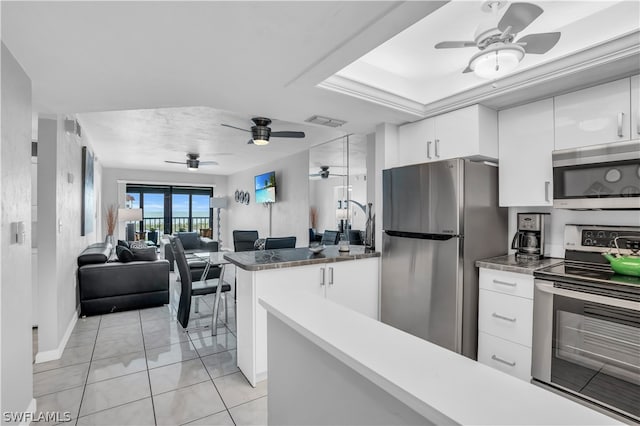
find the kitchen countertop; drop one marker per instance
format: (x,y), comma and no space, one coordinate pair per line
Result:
(286,258)
(509,263)
(439,384)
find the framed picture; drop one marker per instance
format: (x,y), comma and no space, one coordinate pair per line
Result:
(88,197)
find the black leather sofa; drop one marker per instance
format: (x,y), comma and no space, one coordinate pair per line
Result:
(193,243)
(110,286)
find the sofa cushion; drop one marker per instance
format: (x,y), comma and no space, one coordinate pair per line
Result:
(190,240)
(123,243)
(138,244)
(124,254)
(94,254)
(144,254)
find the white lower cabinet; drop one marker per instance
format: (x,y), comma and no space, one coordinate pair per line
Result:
(351,283)
(504,355)
(505,321)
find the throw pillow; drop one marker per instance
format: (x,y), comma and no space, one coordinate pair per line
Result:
(124,254)
(145,254)
(137,244)
(190,240)
(123,243)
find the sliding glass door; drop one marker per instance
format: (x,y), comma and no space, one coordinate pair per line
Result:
(169,209)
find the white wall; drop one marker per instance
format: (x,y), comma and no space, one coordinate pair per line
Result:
(59,225)
(15,187)
(114,185)
(290,212)
(559,218)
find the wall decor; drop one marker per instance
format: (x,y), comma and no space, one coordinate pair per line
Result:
(237,196)
(246,198)
(88,203)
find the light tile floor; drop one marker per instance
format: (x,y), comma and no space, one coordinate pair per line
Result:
(141,368)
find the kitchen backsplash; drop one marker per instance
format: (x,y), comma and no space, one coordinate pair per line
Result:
(561,217)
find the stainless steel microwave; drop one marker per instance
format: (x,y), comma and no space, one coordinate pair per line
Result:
(597,177)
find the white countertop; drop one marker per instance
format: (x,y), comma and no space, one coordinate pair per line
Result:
(439,384)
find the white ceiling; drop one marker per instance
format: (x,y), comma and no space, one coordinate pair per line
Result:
(408,64)
(153,80)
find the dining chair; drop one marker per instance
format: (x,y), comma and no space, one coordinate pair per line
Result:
(189,288)
(244,240)
(273,243)
(330,238)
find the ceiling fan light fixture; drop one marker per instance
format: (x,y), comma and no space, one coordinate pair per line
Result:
(192,164)
(496,60)
(261,135)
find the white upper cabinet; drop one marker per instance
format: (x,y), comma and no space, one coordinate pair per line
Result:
(593,116)
(635,107)
(525,136)
(467,132)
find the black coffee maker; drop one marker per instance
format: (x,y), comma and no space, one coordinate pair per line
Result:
(529,239)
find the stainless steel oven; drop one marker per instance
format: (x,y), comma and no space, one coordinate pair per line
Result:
(597,177)
(586,325)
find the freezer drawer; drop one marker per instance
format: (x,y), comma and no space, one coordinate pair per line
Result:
(422,288)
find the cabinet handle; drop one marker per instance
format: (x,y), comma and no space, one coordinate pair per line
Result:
(510,364)
(321,276)
(429,149)
(437,148)
(330,275)
(620,116)
(503,317)
(505,283)
(547,184)
(638,124)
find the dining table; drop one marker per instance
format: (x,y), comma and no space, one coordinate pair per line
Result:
(214,258)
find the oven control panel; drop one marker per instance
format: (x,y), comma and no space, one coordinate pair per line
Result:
(599,238)
(605,238)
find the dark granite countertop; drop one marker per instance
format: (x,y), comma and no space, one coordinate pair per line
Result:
(287,258)
(511,264)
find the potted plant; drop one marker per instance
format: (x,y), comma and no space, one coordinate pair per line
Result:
(153,234)
(111,220)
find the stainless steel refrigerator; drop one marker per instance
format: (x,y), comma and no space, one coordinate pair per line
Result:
(438,219)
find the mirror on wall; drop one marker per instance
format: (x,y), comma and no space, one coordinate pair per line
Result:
(338,187)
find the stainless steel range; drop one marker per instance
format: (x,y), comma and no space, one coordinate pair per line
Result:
(586,330)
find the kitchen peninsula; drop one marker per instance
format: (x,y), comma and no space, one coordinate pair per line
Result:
(347,278)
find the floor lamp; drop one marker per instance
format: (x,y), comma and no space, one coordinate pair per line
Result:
(130,216)
(218,203)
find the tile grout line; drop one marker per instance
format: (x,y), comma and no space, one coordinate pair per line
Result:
(214,383)
(146,363)
(86,379)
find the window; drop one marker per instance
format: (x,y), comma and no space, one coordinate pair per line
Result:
(170,209)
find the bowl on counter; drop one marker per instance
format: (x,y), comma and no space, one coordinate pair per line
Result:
(316,248)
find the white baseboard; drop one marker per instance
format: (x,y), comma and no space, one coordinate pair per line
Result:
(54,354)
(33,406)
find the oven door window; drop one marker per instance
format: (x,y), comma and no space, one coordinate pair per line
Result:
(596,352)
(603,180)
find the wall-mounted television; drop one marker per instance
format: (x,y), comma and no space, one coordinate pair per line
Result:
(266,188)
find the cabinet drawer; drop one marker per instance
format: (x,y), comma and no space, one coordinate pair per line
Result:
(507,282)
(505,356)
(505,316)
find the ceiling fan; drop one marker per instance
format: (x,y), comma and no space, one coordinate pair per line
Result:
(261,131)
(499,54)
(324,173)
(192,162)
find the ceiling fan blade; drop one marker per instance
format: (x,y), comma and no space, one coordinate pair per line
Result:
(539,43)
(175,162)
(315,174)
(467,69)
(286,134)
(250,142)
(208,163)
(234,127)
(519,16)
(454,44)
